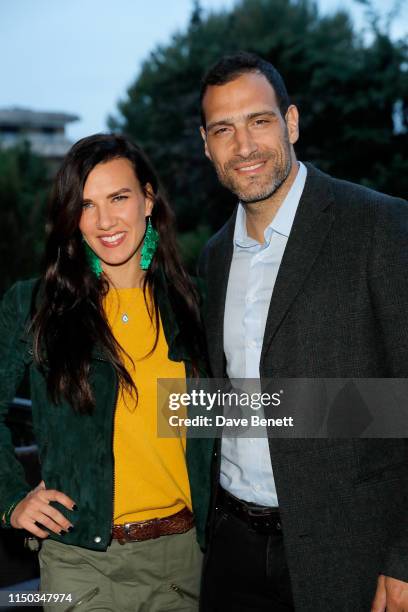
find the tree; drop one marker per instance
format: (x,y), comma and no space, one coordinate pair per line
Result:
(352,95)
(23,189)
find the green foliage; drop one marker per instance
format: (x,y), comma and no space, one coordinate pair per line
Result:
(191,244)
(347,90)
(23,188)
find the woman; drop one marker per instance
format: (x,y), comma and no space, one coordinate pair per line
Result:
(113,311)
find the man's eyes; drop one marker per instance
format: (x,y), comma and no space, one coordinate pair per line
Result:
(118,198)
(220,131)
(256,123)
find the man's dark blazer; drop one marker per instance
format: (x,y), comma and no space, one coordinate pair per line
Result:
(339,309)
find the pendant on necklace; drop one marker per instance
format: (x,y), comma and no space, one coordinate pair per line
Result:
(125,318)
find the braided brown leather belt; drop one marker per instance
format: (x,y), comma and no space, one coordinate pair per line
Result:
(180,522)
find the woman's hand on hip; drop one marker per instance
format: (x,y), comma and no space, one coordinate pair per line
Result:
(34,512)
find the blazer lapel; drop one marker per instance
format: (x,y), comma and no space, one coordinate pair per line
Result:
(218,268)
(311,225)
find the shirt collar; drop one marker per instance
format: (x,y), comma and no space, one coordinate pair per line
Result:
(283,220)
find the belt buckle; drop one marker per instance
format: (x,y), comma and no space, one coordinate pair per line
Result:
(125,539)
(258,512)
(262,520)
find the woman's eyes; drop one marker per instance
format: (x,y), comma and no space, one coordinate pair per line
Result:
(118,198)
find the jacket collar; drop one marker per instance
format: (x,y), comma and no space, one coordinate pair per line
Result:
(313,220)
(172,333)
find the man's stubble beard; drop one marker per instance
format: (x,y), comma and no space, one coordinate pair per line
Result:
(282,166)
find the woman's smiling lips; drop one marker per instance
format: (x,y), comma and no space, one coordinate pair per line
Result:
(112,240)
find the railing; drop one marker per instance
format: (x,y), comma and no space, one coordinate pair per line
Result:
(17,564)
(19,420)
(20,402)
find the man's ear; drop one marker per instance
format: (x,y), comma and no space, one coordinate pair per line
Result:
(292,122)
(204,137)
(149,199)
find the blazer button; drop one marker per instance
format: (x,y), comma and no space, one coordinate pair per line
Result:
(97,539)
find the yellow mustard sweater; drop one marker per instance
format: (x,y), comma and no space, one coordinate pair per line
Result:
(150,474)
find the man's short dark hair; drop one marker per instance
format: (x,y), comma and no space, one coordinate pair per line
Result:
(230,67)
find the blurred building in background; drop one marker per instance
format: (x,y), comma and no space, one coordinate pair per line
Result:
(45,131)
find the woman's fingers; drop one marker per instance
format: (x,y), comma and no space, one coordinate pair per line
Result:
(33,528)
(42,519)
(55,516)
(35,508)
(49,495)
(39,521)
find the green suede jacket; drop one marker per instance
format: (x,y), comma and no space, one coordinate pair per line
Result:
(75,450)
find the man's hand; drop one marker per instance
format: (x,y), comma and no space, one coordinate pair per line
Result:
(35,512)
(391,595)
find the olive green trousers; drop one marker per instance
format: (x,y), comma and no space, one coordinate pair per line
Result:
(160,575)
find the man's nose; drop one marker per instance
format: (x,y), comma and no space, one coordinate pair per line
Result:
(245,145)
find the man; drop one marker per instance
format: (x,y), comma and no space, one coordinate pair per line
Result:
(307,279)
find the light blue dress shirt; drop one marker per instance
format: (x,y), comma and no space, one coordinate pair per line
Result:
(246,469)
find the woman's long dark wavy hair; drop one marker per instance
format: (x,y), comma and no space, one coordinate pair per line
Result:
(69,321)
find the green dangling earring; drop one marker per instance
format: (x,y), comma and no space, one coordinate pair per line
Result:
(93,260)
(151,240)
